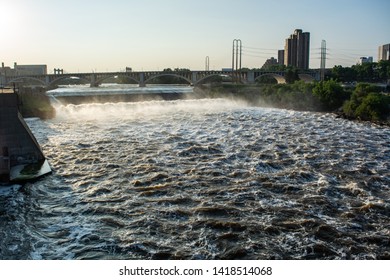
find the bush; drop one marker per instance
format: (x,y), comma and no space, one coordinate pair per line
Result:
(374,107)
(331,94)
(366,103)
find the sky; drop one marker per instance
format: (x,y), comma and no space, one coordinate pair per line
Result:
(101,35)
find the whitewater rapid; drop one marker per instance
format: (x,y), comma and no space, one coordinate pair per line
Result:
(202,179)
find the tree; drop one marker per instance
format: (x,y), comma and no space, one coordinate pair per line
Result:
(344,74)
(266,80)
(291,75)
(383,69)
(367,103)
(331,94)
(366,72)
(276,67)
(374,106)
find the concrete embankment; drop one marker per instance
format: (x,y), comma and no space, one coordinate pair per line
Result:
(35,103)
(20,153)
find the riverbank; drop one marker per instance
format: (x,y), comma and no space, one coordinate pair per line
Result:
(35,103)
(278,96)
(364,103)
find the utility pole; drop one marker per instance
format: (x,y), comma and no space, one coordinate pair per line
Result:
(323,60)
(236,57)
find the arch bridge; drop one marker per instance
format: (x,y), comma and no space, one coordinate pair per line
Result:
(142,78)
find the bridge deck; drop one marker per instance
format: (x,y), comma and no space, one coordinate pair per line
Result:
(143,77)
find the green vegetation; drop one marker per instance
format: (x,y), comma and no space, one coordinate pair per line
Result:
(35,103)
(375,72)
(366,102)
(331,94)
(296,96)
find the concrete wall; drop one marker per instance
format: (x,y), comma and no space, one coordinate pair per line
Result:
(17,143)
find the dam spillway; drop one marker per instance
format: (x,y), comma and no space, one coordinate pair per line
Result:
(112,93)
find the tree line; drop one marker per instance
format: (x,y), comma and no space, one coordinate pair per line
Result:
(365,102)
(370,72)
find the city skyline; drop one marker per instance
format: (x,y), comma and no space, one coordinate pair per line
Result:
(84,36)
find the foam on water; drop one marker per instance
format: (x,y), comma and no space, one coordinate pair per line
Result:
(202,179)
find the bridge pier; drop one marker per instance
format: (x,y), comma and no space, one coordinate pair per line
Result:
(250,77)
(93,81)
(141,79)
(2,80)
(194,78)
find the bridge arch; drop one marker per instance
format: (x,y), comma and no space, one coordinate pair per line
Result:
(279,78)
(167,74)
(18,79)
(59,79)
(201,80)
(101,80)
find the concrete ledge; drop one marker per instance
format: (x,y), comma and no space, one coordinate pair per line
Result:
(18,146)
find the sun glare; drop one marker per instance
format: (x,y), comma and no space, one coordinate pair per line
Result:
(8,17)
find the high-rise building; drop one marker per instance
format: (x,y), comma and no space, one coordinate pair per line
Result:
(297,50)
(281,57)
(269,63)
(384,52)
(364,59)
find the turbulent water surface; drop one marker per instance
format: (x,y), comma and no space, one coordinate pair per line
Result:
(201,179)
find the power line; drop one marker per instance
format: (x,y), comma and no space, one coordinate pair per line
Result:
(253,48)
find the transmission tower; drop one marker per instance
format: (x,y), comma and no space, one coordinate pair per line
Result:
(207,66)
(236,57)
(323,59)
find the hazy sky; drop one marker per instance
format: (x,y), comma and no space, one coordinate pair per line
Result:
(95,35)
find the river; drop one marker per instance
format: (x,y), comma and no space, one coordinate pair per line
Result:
(201,179)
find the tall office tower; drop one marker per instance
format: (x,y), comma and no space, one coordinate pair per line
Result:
(281,57)
(297,49)
(384,52)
